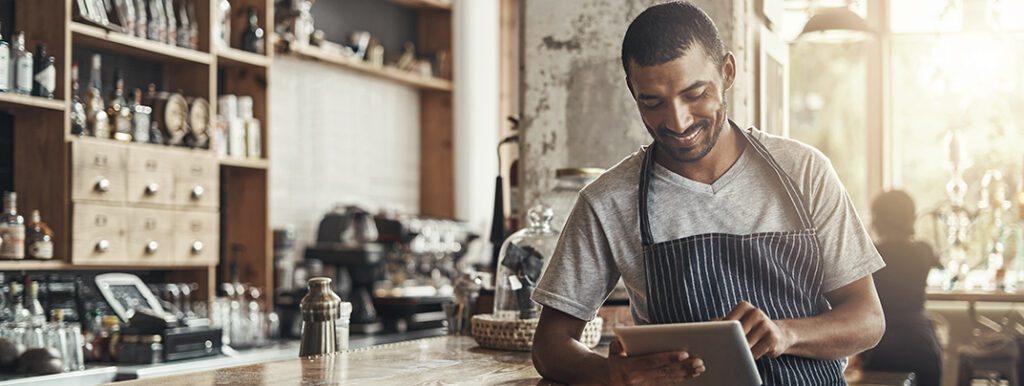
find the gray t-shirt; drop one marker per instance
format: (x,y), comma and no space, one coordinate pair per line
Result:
(601,239)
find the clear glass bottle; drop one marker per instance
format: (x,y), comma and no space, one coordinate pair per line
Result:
(140,118)
(33,305)
(171,30)
(77,114)
(118,110)
(57,338)
(75,359)
(22,66)
(223,32)
(141,19)
(193,31)
(184,26)
(157,23)
(96,114)
(5,61)
(252,38)
(304,23)
(521,261)
(38,238)
(12,229)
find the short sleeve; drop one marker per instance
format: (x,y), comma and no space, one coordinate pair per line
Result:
(847,251)
(582,271)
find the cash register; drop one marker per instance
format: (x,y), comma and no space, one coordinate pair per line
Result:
(132,301)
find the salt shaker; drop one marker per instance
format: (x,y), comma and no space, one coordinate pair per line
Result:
(321,308)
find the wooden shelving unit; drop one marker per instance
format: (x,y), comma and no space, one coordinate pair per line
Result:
(43,173)
(14,102)
(426,4)
(389,73)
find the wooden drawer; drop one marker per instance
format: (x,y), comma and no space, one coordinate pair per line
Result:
(150,236)
(197,236)
(197,193)
(98,172)
(151,176)
(197,181)
(98,234)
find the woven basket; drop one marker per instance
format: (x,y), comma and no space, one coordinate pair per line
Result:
(517,334)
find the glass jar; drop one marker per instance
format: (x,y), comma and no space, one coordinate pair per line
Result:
(521,261)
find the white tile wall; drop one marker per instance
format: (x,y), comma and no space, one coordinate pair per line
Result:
(339,137)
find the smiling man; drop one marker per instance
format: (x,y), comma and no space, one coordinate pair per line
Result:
(711,221)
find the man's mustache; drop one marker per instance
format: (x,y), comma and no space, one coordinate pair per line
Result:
(702,124)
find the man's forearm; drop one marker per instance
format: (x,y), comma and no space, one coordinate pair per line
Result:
(855,325)
(569,361)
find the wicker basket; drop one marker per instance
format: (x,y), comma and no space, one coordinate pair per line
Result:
(517,334)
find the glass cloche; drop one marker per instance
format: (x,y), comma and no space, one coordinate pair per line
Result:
(523,257)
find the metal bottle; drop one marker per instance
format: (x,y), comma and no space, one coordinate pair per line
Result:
(320,308)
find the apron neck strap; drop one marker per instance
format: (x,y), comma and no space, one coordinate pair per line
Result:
(794,195)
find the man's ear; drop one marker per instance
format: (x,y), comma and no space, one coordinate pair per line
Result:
(728,70)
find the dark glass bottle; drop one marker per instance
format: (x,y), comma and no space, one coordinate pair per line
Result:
(38,238)
(252,38)
(118,110)
(44,77)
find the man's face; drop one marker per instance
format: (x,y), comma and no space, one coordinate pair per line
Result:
(682,102)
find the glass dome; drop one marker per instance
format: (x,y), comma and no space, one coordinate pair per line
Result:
(523,257)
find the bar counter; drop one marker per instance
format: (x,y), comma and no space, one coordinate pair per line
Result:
(441,360)
(446,360)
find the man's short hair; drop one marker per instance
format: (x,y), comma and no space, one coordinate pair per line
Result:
(665,32)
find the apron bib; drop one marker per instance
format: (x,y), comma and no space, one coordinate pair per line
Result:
(702,277)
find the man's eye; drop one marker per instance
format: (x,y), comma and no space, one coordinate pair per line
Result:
(651,104)
(698,96)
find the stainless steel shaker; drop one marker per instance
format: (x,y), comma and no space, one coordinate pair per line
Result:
(321,309)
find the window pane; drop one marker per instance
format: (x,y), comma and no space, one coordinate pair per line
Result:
(828,109)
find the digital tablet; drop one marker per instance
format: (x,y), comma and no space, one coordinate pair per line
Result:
(721,345)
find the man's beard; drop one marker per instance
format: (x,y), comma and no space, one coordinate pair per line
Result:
(695,153)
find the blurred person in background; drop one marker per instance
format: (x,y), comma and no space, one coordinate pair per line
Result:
(909,343)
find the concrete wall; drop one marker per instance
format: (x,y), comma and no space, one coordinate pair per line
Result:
(334,141)
(576,109)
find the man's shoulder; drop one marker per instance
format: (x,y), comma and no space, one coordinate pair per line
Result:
(794,156)
(618,182)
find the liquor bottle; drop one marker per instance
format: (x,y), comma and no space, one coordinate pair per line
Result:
(12,229)
(223,35)
(44,80)
(193,30)
(141,20)
(252,39)
(118,111)
(96,114)
(38,238)
(22,66)
(171,31)
(184,27)
(5,61)
(157,22)
(140,118)
(19,313)
(32,304)
(78,117)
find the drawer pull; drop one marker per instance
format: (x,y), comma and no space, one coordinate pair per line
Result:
(151,247)
(102,185)
(152,188)
(197,247)
(102,246)
(197,192)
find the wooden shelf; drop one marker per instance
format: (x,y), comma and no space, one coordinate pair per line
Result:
(13,102)
(47,265)
(425,4)
(100,38)
(248,163)
(179,149)
(231,56)
(389,73)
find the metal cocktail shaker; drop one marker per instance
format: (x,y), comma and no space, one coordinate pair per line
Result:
(321,309)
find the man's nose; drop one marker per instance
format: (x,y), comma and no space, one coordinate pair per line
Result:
(681,118)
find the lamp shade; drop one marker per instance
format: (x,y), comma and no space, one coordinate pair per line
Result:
(836,25)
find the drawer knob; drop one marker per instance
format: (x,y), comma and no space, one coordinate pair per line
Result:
(102,246)
(151,247)
(197,192)
(103,185)
(152,188)
(197,247)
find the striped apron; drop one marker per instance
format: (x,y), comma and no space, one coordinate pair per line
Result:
(702,277)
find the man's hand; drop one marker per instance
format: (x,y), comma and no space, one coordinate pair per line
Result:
(764,336)
(668,368)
